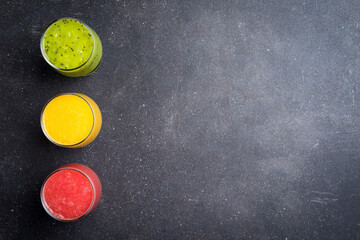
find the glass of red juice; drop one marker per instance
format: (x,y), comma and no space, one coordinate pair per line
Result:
(71,192)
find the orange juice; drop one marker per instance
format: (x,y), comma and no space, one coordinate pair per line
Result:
(71,120)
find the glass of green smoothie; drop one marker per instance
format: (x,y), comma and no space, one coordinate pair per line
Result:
(71,47)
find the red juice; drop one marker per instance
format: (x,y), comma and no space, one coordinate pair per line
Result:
(71,192)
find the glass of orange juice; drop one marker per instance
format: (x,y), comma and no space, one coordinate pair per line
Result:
(71,120)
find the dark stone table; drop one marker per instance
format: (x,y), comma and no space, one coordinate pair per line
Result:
(221,119)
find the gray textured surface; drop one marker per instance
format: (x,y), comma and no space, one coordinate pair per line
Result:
(231,120)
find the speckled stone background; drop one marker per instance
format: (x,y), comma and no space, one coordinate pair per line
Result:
(221,119)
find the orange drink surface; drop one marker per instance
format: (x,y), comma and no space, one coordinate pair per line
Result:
(71,120)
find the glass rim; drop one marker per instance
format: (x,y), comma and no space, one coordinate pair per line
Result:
(44,204)
(66,69)
(43,128)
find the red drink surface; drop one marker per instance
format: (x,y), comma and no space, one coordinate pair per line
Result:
(67,194)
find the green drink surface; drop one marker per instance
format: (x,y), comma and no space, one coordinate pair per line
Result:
(67,43)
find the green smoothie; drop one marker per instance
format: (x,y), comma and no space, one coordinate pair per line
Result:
(71,47)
